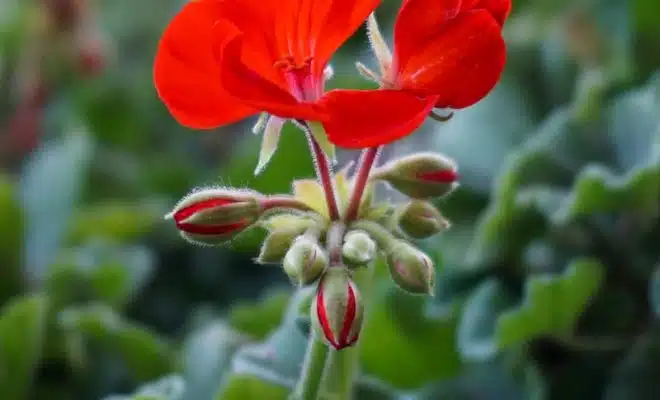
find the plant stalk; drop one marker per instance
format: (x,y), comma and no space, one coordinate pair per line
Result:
(324,173)
(312,370)
(367,160)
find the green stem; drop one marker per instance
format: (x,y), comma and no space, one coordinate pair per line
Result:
(312,370)
(340,373)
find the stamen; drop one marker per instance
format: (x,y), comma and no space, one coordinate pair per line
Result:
(298,77)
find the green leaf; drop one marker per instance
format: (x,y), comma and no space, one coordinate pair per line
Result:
(249,387)
(551,306)
(121,222)
(260,318)
(635,376)
(22,332)
(99,271)
(167,388)
(270,368)
(654,291)
(11,232)
(598,191)
(400,345)
(484,381)
(50,188)
(144,354)
(207,355)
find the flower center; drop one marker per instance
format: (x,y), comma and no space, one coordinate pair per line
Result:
(298,77)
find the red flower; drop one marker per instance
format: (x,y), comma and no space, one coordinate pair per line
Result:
(447,53)
(222,60)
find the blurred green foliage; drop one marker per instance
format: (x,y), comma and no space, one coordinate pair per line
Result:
(548,283)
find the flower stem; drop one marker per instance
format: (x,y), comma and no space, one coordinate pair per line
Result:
(286,202)
(367,160)
(312,370)
(324,173)
(340,373)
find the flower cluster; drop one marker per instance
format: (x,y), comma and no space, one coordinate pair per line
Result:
(221,61)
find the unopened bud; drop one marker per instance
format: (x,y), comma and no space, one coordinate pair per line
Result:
(305,261)
(420,219)
(358,249)
(214,216)
(337,310)
(411,269)
(280,239)
(420,176)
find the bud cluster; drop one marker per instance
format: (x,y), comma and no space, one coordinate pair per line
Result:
(313,248)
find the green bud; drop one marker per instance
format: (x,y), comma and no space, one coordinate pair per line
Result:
(337,310)
(420,219)
(420,176)
(305,261)
(280,239)
(358,249)
(411,269)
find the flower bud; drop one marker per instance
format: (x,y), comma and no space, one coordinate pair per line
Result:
(411,269)
(281,237)
(420,176)
(337,310)
(213,216)
(305,261)
(420,219)
(358,249)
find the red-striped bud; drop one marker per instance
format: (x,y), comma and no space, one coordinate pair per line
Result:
(213,216)
(420,176)
(337,309)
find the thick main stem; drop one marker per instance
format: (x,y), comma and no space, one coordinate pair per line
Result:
(312,370)
(324,174)
(367,160)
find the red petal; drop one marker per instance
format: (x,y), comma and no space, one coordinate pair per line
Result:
(255,89)
(256,21)
(461,64)
(342,19)
(186,74)
(358,119)
(417,22)
(499,9)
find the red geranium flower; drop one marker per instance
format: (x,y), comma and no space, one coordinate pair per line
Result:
(447,53)
(222,60)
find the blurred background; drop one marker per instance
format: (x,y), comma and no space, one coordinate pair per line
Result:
(548,283)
